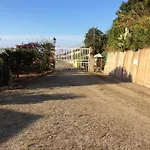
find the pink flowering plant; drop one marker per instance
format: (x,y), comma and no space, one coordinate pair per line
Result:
(29,58)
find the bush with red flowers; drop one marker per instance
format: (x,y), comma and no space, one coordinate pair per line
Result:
(28,58)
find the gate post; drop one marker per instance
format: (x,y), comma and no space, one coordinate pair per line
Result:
(91,60)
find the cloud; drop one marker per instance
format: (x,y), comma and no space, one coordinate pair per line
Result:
(62,40)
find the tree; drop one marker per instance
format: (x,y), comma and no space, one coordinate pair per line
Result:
(130,29)
(95,38)
(19,60)
(1,61)
(47,54)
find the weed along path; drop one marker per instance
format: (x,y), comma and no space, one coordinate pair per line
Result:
(75,110)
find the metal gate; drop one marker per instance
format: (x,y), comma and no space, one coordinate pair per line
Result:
(77,58)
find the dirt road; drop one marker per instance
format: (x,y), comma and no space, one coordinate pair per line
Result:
(75,111)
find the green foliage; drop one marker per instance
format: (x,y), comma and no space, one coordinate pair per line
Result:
(140,34)
(112,38)
(104,54)
(1,76)
(25,58)
(19,60)
(96,39)
(48,51)
(5,73)
(124,40)
(130,30)
(1,62)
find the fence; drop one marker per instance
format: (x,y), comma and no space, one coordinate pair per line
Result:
(131,66)
(79,57)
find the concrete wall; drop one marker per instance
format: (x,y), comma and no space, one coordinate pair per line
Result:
(130,66)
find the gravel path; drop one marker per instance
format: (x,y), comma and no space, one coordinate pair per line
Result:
(75,111)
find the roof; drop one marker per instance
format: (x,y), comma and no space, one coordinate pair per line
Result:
(98,56)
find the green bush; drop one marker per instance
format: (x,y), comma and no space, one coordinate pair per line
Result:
(131,27)
(25,58)
(104,54)
(1,62)
(140,34)
(1,77)
(6,75)
(132,36)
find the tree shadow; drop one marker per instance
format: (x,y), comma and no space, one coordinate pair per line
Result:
(122,74)
(34,98)
(12,122)
(78,78)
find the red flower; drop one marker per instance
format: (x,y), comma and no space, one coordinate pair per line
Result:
(144,24)
(129,25)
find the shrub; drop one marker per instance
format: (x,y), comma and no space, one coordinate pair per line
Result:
(1,77)
(1,62)
(131,36)
(25,58)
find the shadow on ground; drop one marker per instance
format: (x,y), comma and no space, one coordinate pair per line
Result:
(122,74)
(33,98)
(75,78)
(13,122)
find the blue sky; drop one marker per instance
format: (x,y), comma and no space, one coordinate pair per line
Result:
(67,20)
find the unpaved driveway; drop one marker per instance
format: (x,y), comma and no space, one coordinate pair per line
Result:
(74,110)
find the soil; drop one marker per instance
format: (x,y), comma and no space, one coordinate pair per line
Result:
(73,110)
